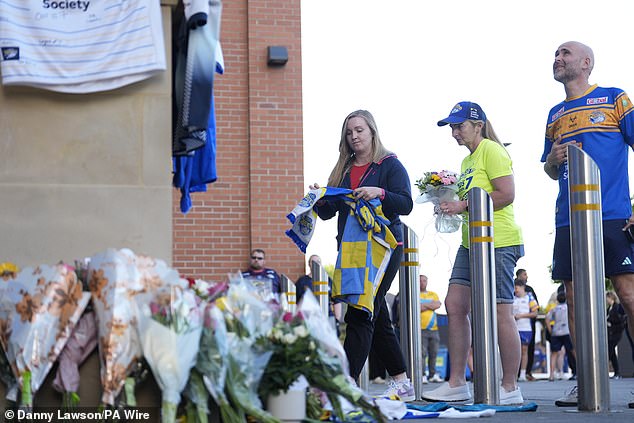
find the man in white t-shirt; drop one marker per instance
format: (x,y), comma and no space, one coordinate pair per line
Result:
(524,309)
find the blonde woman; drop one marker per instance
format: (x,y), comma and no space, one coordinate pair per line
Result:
(489,167)
(371,171)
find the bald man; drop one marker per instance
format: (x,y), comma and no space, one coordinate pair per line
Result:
(601,122)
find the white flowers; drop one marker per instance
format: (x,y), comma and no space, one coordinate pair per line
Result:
(301,331)
(289,338)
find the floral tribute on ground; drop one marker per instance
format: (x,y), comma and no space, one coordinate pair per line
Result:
(41,307)
(234,342)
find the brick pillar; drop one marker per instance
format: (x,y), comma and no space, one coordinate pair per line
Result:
(259,149)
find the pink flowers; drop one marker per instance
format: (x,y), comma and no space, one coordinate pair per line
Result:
(436,187)
(436,179)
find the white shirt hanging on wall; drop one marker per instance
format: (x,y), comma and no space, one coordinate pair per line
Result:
(80,46)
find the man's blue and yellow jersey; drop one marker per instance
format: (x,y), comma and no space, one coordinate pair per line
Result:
(601,121)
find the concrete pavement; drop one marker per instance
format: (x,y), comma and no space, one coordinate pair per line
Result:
(544,393)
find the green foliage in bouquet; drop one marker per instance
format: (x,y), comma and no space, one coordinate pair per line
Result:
(436,179)
(293,351)
(296,352)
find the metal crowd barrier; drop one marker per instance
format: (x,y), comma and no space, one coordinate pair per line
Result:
(289,289)
(483,298)
(320,286)
(588,274)
(409,309)
(364,376)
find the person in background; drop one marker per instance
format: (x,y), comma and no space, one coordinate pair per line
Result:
(524,308)
(601,121)
(557,327)
(523,275)
(260,273)
(616,320)
(372,172)
(488,166)
(430,338)
(305,283)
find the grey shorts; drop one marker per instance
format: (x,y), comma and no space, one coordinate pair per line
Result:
(505,260)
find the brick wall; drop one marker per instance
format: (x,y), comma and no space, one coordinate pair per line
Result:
(259,150)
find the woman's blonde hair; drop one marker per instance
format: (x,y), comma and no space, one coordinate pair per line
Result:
(488,131)
(346,155)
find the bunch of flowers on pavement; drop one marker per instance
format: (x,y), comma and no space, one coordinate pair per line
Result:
(118,279)
(231,340)
(45,302)
(80,345)
(169,329)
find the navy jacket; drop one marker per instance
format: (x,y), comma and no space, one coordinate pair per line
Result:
(389,174)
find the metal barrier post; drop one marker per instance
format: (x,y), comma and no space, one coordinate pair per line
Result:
(409,309)
(289,289)
(364,376)
(483,296)
(588,274)
(320,286)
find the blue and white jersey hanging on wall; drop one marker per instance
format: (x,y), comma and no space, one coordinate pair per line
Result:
(80,46)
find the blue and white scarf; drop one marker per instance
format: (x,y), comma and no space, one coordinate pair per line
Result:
(366,244)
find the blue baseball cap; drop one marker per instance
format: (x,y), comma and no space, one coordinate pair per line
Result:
(465,110)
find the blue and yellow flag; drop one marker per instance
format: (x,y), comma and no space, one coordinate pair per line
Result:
(365,250)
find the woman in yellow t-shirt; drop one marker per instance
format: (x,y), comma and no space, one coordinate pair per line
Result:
(488,166)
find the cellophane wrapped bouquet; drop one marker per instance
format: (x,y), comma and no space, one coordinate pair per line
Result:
(7,374)
(211,356)
(47,303)
(435,188)
(169,329)
(327,368)
(117,279)
(247,317)
(114,279)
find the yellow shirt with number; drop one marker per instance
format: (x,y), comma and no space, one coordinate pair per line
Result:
(428,317)
(489,161)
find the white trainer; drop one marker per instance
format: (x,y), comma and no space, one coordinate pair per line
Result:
(446,393)
(570,398)
(511,398)
(403,390)
(436,379)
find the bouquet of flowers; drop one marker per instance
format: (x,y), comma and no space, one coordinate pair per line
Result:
(196,408)
(6,312)
(113,280)
(437,187)
(329,366)
(81,344)
(169,328)
(208,291)
(117,277)
(293,350)
(48,301)
(247,317)
(212,363)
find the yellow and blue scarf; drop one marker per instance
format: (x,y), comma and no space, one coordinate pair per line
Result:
(366,244)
